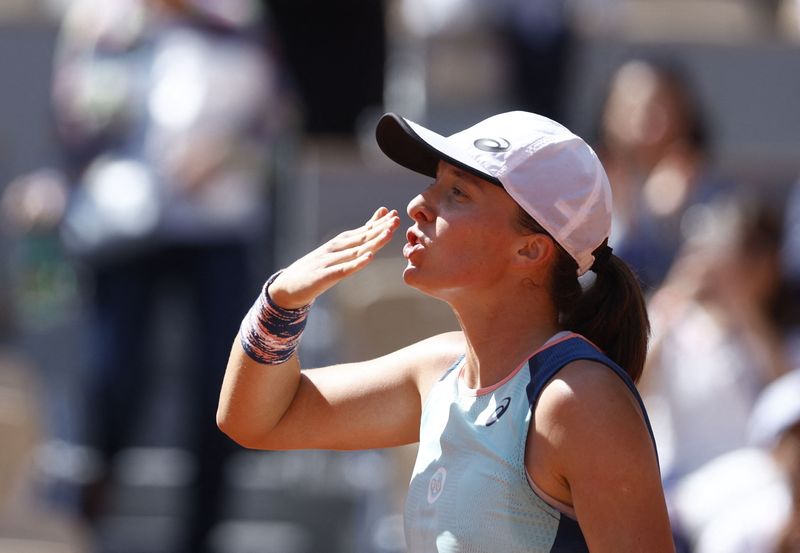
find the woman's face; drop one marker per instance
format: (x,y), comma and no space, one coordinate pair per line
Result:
(464,234)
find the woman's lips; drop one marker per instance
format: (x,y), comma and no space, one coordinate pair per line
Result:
(409,249)
(413,244)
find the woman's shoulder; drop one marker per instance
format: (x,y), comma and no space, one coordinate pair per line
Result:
(431,357)
(586,416)
(447,341)
(587,392)
(439,352)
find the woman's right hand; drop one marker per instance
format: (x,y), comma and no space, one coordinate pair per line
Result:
(352,250)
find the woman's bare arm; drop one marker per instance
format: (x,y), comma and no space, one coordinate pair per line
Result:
(358,405)
(594,452)
(371,404)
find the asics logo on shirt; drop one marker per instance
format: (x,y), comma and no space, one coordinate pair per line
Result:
(499,412)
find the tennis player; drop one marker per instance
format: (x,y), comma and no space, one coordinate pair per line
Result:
(532,436)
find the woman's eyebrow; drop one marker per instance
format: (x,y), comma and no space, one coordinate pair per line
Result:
(467,177)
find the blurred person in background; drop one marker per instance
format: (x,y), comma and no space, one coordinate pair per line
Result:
(788,19)
(716,344)
(167,111)
(336,59)
(790,308)
(34,287)
(653,141)
(748,500)
(539,41)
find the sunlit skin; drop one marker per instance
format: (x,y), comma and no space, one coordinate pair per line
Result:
(463,236)
(587,446)
(465,248)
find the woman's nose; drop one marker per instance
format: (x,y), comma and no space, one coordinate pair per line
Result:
(419,210)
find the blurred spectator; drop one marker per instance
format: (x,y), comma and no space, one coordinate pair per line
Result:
(715,344)
(30,208)
(790,309)
(336,53)
(748,500)
(788,19)
(653,143)
(539,39)
(41,280)
(26,522)
(791,251)
(168,110)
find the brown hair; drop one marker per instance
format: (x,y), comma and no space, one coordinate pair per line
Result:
(611,312)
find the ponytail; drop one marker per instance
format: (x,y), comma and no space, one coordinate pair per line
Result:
(610,312)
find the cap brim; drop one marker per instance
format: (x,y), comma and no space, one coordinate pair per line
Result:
(419,149)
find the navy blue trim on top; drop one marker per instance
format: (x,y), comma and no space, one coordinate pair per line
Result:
(569,537)
(545,365)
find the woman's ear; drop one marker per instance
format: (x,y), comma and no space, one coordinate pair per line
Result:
(535,251)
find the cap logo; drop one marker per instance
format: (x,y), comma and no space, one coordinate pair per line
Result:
(492,144)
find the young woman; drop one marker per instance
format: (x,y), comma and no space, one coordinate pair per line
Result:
(532,438)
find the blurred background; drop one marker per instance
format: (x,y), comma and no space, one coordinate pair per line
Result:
(160,158)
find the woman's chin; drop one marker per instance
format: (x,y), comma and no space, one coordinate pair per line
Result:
(410,274)
(413,277)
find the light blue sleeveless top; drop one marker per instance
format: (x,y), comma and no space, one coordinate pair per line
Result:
(469,490)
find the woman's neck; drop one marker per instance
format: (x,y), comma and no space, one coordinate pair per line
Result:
(503,333)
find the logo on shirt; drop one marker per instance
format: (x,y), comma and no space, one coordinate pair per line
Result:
(499,412)
(436,485)
(492,144)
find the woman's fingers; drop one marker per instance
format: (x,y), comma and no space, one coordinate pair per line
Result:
(351,255)
(373,244)
(311,275)
(346,268)
(381,219)
(380,212)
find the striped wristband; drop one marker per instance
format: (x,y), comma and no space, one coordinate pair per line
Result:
(269,333)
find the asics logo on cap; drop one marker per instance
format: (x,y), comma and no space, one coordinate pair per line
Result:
(492,144)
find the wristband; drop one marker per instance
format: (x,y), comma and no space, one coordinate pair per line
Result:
(269,333)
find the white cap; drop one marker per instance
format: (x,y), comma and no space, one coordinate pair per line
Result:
(549,171)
